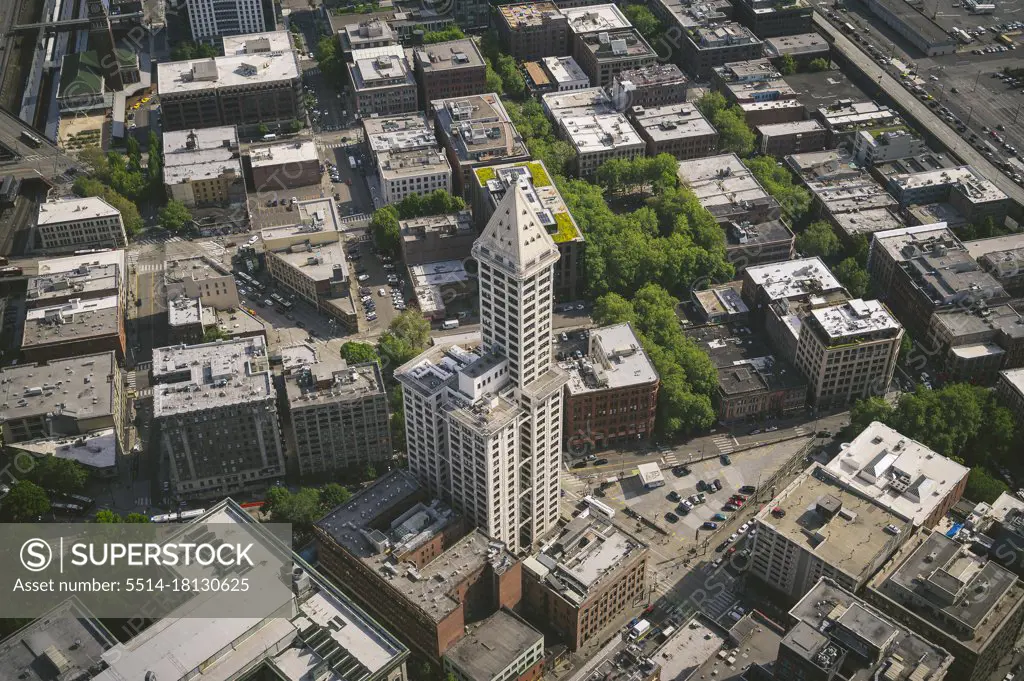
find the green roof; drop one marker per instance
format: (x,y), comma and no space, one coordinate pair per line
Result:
(537,172)
(80,74)
(565,228)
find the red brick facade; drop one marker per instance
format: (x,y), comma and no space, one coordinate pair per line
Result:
(601,418)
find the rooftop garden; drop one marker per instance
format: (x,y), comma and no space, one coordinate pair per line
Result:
(565,229)
(538,174)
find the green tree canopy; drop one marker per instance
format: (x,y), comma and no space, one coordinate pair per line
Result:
(787,65)
(982,487)
(644,21)
(62,475)
(385,228)
(107,516)
(301,509)
(511,78)
(333,495)
(818,240)
(407,336)
(819,64)
(136,518)
(24,503)
(734,135)
(854,277)
(437,202)
(174,217)
(444,35)
(355,352)
(777,181)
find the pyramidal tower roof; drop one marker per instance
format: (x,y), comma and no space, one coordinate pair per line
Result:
(514,239)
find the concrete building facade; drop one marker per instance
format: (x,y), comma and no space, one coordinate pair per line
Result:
(80,223)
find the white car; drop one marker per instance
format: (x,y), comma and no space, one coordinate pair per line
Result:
(363,277)
(744,527)
(253,239)
(381,292)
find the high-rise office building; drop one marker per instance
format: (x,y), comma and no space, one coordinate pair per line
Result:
(213,18)
(483,427)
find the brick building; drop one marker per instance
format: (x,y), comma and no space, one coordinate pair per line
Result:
(450,69)
(533,30)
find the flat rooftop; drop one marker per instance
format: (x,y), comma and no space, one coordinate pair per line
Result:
(257,43)
(564,70)
(690,647)
(831,621)
(586,551)
(855,193)
(399,133)
(852,320)
(797,45)
(941,581)
(380,67)
(269,155)
(672,121)
(315,216)
(793,278)
(64,643)
(412,163)
(529,14)
(96,450)
(930,213)
(896,472)
(87,260)
(615,360)
(201,154)
(210,376)
(74,320)
(856,114)
(448,56)
(992,321)
(490,647)
(327,381)
(751,70)
(437,368)
(325,631)
(867,221)
(600,133)
(743,361)
(375,30)
(653,75)
(721,300)
(318,262)
(721,182)
(790,128)
(727,34)
(926,29)
(587,100)
(79,388)
(754,107)
(1015,378)
(621,43)
(74,210)
(595,18)
(387,519)
(965,179)
(231,71)
(542,195)
(85,280)
(478,128)
(852,540)
(746,236)
(998,244)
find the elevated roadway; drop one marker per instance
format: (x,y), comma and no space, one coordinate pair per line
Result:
(45,161)
(918,112)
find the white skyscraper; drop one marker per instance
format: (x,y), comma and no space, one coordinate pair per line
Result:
(483,429)
(215,18)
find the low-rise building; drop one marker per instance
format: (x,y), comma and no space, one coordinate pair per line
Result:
(974,344)
(564,74)
(918,271)
(439,284)
(769,19)
(63,398)
(338,412)
(382,81)
(307,258)
(908,478)
(857,223)
(203,167)
(782,139)
(847,351)
(276,167)
(1003,258)
(728,189)
(501,648)
(79,223)
(711,45)
(873,148)
(970,193)
(74,327)
(1010,387)
(599,137)
(86,276)
(530,31)
(917,27)
(96,451)
(603,55)
(776,111)
(374,32)
(721,304)
(476,132)
(216,407)
(437,238)
(837,635)
(449,69)
(753,382)
(85,83)
(654,85)
(409,561)
(845,118)
(407,157)
(585,580)
(491,185)
(196,288)
(756,244)
(971,606)
(754,80)
(243,90)
(615,372)
(813,529)
(803,47)
(677,129)
(595,17)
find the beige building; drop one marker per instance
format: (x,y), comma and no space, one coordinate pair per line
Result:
(276,167)
(216,406)
(196,289)
(203,167)
(533,30)
(383,81)
(79,223)
(373,33)
(848,351)
(339,412)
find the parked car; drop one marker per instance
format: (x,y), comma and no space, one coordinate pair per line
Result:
(709,525)
(680,471)
(600,462)
(671,517)
(725,460)
(673,496)
(748,489)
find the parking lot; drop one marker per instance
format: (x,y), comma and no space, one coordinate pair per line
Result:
(384,288)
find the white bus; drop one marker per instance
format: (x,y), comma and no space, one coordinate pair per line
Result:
(450,324)
(352,162)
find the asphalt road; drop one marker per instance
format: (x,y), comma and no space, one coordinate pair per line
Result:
(917,110)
